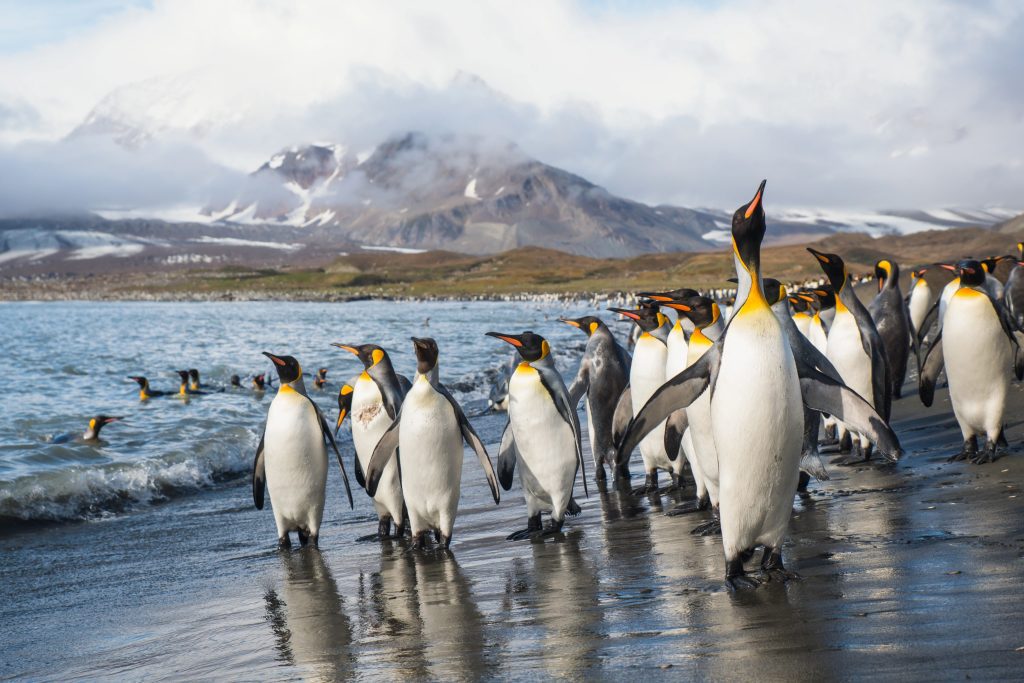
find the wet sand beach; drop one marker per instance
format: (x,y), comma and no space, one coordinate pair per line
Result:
(912,571)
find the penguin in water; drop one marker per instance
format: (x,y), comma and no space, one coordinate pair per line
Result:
(259,383)
(542,437)
(92,432)
(976,344)
(889,313)
(856,350)
(185,390)
(321,379)
(291,459)
(145,392)
(236,382)
(602,378)
(758,387)
(376,399)
(429,431)
(646,374)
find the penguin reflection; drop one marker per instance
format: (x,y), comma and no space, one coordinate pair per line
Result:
(307,617)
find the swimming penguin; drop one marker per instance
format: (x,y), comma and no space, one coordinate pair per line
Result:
(92,432)
(236,382)
(376,399)
(259,382)
(602,378)
(429,431)
(889,313)
(855,349)
(185,389)
(321,378)
(920,300)
(757,387)
(145,392)
(291,459)
(542,437)
(977,345)
(647,372)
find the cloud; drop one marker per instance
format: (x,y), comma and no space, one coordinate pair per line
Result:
(872,104)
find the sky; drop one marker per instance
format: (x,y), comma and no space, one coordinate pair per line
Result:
(873,105)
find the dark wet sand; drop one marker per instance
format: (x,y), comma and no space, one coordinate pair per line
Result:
(910,572)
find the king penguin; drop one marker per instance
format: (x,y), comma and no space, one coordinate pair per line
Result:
(602,378)
(145,392)
(889,313)
(91,433)
(291,459)
(429,432)
(855,349)
(977,345)
(1013,292)
(757,388)
(376,399)
(542,437)
(919,302)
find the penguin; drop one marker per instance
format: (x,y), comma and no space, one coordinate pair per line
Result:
(321,379)
(818,330)
(647,372)
(889,313)
(602,378)
(92,432)
(680,332)
(992,284)
(757,389)
(801,315)
(345,406)
(193,377)
(259,382)
(1013,292)
(145,392)
(291,459)
(429,431)
(855,349)
(542,437)
(236,382)
(976,344)
(919,302)
(185,390)
(376,399)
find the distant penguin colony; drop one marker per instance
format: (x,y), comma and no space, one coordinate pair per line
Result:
(734,393)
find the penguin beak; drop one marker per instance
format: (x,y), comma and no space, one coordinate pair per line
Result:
(947,266)
(808,299)
(819,255)
(569,321)
(654,296)
(275,359)
(509,338)
(114,418)
(678,306)
(756,201)
(345,347)
(341,418)
(632,315)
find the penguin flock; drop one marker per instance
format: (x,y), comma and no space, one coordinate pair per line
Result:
(734,394)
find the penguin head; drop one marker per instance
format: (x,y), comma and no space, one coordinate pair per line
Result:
(681,294)
(748,228)
(647,316)
(426,354)
(833,267)
(990,264)
(798,303)
(971,272)
(97,423)
(701,310)
(886,272)
(183,374)
(193,374)
(774,291)
(236,381)
(321,373)
(826,298)
(140,380)
(288,369)
(531,346)
(344,404)
(588,323)
(369,354)
(259,382)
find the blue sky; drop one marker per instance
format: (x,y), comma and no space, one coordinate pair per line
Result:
(31,23)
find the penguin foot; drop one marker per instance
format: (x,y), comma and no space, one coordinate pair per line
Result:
(856,457)
(712,527)
(736,577)
(369,537)
(986,456)
(676,485)
(553,527)
(772,568)
(968,452)
(533,525)
(650,485)
(303,537)
(437,535)
(445,541)
(805,479)
(421,540)
(573,508)
(689,507)
(284,543)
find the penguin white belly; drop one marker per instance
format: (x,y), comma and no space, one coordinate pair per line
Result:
(295,461)
(675,353)
(803,323)
(699,414)
(757,422)
(430,442)
(369,422)
(818,336)
(920,299)
(846,352)
(978,358)
(646,375)
(947,293)
(545,444)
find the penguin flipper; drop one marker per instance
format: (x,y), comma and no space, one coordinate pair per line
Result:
(929,318)
(623,414)
(471,437)
(385,449)
(360,477)
(823,394)
(930,369)
(506,457)
(580,385)
(678,392)
(259,475)
(675,426)
(809,354)
(328,435)
(560,396)
(404,384)
(1014,333)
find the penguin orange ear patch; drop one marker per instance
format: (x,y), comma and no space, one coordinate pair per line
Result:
(377,356)
(346,390)
(593,328)
(277,360)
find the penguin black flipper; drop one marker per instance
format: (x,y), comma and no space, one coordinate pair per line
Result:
(471,437)
(580,385)
(385,449)
(930,369)
(259,475)
(1011,329)
(623,414)
(929,319)
(328,435)
(360,477)
(808,353)
(568,413)
(404,384)
(678,392)
(391,396)
(675,426)
(506,458)
(823,394)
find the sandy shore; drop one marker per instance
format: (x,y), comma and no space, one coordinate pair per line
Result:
(910,571)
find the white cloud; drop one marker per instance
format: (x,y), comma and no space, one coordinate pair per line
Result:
(868,104)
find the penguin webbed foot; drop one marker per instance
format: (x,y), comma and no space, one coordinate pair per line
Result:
(533,525)
(689,507)
(650,486)
(772,568)
(284,543)
(736,577)
(712,527)
(987,455)
(804,480)
(553,528)
(676,485)
(573,509)
(969,451)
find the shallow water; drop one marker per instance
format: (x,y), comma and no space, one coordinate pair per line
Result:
(911,571)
